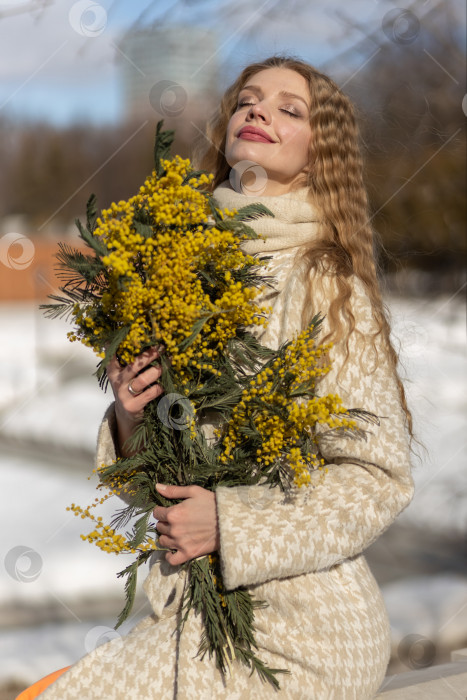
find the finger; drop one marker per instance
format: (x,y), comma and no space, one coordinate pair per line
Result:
(114,364)
(124,374)
(143,360)
(176,491)
(167,542)
(114,368)
(163,528)
(145,379)
(160,513)
(176,558)
(135,404)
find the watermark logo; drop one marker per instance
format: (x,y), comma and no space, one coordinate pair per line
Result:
(99,635)
(23,564)
(175,411)
(168,98)
(16,251)
(87,18)
(401,26)
(464,104)
(414,339)
(257,497)
(249,178)
(415,651)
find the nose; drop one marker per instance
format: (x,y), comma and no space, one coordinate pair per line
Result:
(260,111)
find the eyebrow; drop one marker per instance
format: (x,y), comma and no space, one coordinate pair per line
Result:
(282,93)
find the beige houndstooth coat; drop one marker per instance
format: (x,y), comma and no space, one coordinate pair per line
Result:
(325,620)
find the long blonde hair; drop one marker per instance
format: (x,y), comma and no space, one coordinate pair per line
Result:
(335,182)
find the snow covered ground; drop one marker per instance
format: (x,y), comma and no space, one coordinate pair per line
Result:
(432,338)
(48,395)
(47,391)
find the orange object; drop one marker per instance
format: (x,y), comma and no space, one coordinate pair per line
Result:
(39,686)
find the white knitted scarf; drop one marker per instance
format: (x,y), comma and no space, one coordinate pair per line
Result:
(295,221)
(284,237)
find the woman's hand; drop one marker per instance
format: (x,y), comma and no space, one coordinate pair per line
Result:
(189,527)
(133,388)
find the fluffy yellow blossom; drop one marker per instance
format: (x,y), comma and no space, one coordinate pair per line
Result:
(277,403)
(152,271)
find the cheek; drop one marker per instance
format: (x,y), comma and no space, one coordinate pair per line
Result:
(301,142)
(232,127)
(228,151)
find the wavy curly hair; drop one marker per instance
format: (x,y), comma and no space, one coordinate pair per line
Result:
(346,246)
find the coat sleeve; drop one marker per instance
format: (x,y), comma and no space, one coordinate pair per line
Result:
(107,445)
(106,450)
(267,535)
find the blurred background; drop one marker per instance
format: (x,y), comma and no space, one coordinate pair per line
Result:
(82,86)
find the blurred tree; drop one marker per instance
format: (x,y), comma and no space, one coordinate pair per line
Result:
(410,97)
(49,174)
(406,77)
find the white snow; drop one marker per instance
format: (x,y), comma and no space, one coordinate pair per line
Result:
(56,563)
(47,392)
(432,337)
(434,607)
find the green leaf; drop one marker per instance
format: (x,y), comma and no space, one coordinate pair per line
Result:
(195,331)
(91,212)
(74,267)
(112,348)
(193,174)
(139,530)
(61,310)
(162,144)
(236,226)
(131,572)
(214,207)
(92,241)
(363,415)
(138,439)
(144,230)
(252,212)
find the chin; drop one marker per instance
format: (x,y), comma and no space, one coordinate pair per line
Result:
(246,150)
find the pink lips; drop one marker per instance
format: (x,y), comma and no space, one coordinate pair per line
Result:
(252,133)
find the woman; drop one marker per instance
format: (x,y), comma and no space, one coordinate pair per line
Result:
(325,621)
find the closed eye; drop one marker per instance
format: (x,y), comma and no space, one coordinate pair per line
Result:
(292,114)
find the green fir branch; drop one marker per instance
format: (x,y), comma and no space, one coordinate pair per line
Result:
(251,212)
(91,213)
(162,146)
(195,331)
(194,174)
(92,241)
(145,230)
(112,348)
(365,416)
(214,210)
(131,572)
(140,528)
(76,269)
(227,617)
(62,309)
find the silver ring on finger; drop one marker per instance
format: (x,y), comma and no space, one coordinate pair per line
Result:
(132,391)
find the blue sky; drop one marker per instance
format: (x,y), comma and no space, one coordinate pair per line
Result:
(60,63)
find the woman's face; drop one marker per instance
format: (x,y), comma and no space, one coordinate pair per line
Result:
(271,128)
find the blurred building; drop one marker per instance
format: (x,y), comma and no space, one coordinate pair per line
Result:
(169,71)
